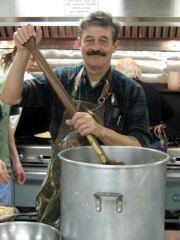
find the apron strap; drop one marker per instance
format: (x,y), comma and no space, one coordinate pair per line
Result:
(104,94)
(76,84)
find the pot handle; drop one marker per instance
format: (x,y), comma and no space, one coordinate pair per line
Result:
(98,200)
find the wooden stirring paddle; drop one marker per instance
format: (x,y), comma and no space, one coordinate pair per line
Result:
(64,96)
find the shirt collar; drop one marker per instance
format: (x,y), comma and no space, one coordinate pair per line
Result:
(102,81)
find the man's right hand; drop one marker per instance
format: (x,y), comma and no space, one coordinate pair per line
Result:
(4,176)
(24,33)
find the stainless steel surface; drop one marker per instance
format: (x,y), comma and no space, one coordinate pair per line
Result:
(174,153)
(141,182)
(172,205)
(128,12)
(28,231)
(74,21)
(173,174)
(34,178)
(34,159)
(158,20)
(34,154)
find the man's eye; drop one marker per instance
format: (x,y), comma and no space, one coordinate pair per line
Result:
(104,41)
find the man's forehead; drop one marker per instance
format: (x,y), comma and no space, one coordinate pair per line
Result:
(97,31)
(92,36)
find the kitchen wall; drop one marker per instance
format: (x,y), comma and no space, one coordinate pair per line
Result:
(129,12)
(135,8)
(154,64)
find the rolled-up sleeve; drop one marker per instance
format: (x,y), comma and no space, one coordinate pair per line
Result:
(137,119)
(36,92)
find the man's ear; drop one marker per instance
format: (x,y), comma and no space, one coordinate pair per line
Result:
(116,44)
(79,42)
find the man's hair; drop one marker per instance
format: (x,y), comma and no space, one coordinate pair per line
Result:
(130,68)
(101,19)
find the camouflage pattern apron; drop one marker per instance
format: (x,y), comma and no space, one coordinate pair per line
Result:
(48,198)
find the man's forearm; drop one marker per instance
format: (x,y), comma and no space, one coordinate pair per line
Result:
(110,137)
(85,124)
(12,146)
(13,86)
(19,174)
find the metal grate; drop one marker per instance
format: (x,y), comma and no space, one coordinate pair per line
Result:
(133,32)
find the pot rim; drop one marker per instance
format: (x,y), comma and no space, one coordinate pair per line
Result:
(97,165)
(29,223)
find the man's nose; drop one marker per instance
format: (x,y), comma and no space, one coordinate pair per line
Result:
(34,63)
(96,46)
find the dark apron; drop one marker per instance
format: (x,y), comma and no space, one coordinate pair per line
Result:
(48,198)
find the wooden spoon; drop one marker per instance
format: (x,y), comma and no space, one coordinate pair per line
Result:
(64,96)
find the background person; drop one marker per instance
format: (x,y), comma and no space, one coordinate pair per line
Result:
(159,109)
(28,122)
(4,175)
(5,63)
(8,151)
(113,98)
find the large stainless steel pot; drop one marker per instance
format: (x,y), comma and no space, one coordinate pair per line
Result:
(113,202)
(28,231)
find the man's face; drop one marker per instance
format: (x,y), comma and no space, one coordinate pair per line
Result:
(31,63)
(97,47)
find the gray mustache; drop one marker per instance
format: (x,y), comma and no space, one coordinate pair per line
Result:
(96,53)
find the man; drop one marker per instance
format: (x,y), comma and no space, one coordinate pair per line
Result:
(117,102)
(159,109)
(8,150)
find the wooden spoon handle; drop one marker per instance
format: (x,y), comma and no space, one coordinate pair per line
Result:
(51,77)
(62,94)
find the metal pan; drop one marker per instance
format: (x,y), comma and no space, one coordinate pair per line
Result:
(14,212)
(10,218)
(28,231)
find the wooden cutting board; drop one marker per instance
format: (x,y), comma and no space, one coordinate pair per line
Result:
(172,235)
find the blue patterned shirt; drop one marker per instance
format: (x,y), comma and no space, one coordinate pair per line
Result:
(132,118)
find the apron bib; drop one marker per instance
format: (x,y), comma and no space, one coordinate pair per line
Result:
(48,198)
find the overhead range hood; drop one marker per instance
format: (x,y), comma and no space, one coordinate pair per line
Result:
(141,20)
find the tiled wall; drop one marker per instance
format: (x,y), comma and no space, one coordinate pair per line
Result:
(154,64)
